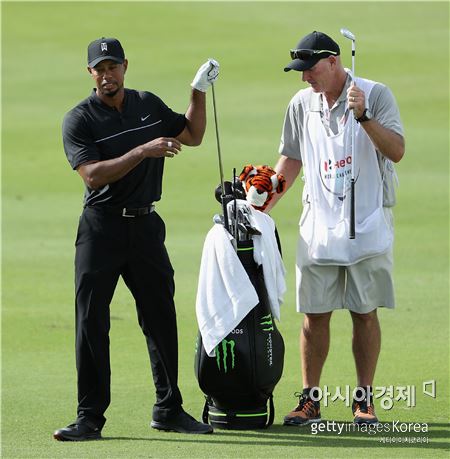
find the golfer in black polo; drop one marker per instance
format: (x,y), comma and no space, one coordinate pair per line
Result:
(117,140)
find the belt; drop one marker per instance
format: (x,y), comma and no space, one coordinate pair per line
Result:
(129,212)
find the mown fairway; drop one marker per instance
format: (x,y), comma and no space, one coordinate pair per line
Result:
(404,45)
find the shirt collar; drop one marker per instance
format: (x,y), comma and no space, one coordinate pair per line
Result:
(95,99)
(316,102)
(348,82)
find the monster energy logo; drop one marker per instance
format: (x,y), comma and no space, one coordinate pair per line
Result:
(267,326)
(268,322)
(224,345)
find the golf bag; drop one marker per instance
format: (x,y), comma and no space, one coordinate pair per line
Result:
(239,380)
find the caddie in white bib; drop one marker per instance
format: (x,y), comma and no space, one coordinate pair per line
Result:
(327,162)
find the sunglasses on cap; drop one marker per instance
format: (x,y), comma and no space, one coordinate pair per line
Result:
(305,54)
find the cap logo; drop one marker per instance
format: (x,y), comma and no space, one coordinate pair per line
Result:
(103,46)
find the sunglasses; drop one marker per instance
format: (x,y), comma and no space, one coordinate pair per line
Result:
(305,54)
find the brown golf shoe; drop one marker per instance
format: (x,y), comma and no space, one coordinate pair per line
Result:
(363,413)
(306,412)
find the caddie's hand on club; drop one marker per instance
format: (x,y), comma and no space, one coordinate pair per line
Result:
(206,75)
(356,100)
(161,147)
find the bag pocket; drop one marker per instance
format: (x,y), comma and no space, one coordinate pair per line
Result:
(390,182)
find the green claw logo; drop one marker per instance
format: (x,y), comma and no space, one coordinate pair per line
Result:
(267,321)
(224,345)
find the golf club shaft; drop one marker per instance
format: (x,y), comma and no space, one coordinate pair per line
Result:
(235,213)
(347,34)
(352,209)
(352,181)
(217,138)
(224,204)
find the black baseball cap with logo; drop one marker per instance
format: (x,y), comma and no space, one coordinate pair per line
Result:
(310,49)
(103,49)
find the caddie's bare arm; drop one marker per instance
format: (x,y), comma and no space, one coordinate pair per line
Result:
(290,168)
(97,174)
(386,141)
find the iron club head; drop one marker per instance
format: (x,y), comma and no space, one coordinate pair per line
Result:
(348,34)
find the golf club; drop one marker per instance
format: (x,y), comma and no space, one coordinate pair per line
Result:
(223,200)
(347,34)
(235,213)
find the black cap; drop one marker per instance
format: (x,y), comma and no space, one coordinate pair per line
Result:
(103,49)
(315,41)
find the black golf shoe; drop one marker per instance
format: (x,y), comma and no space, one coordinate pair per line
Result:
(78,432)
(182,423)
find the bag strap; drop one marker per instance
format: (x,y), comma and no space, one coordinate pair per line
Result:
(205,411)
(271,411)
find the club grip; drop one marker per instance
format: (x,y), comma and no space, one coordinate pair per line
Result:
(352,209)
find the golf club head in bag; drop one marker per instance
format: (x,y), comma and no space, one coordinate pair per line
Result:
(231,189)
(239,224)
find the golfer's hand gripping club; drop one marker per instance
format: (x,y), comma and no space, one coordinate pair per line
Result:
(206,75)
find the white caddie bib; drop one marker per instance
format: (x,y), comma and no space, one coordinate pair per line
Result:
(327,162)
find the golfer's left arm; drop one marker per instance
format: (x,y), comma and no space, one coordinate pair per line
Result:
(193,132)
(195,115)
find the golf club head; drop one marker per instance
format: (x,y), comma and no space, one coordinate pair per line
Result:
(227,193)
(218,219)
(230,189)
(348,34)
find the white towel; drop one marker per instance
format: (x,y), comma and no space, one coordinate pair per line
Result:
(266,253)
(225,293)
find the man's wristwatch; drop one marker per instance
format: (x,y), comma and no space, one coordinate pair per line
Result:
(366,116)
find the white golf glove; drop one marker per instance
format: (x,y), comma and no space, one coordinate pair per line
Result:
(206,75)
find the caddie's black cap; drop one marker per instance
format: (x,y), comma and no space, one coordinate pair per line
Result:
(310,49)
(103,49)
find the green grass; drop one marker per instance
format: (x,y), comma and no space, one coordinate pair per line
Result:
(405,45)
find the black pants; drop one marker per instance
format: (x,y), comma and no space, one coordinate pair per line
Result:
(109,246)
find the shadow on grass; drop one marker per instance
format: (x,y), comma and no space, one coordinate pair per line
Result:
(303,436)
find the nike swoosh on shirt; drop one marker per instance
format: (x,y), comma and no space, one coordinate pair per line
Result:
(143,118)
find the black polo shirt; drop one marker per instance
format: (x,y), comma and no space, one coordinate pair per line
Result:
(94,131)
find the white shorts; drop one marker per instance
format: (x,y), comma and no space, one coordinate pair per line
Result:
(361,287)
